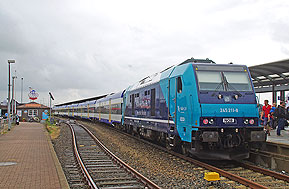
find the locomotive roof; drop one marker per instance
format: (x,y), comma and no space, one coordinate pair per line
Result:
(146,81)
(149,80)
(192,60)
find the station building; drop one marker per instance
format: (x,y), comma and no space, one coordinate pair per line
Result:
(32,109)
(3,110)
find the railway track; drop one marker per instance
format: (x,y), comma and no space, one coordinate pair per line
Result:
(100,167)
(263,178)
(243,173)
(273,155)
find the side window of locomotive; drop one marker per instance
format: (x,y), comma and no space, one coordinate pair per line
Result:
(179,85)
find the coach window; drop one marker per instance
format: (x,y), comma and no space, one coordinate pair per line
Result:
(179,85)
(153,102)
(132,104)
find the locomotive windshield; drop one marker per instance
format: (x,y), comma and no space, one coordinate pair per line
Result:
(221,78)
(210,80)
(237,81)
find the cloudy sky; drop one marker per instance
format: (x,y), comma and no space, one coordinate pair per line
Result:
(85,48)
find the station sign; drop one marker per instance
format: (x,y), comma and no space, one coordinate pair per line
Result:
(33,95)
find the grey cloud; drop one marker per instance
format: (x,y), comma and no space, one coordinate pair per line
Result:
(75,50)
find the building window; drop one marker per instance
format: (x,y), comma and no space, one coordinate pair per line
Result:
(32,112)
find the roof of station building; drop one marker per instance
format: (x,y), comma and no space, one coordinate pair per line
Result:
(32,105)
(273,76)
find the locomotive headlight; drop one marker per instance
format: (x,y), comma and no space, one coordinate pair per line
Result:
(205,121)
(237,130)
(211,121)
(236,97)
(222,130)
(251,121)
(220,96)
(246,121)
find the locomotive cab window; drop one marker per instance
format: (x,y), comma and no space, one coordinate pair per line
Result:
(179,85)
(210,80)
(238,81)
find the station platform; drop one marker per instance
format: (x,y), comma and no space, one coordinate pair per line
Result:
(28,160)
(284,139)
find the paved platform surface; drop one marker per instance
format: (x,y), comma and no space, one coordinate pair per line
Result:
(284,139)
(36,166)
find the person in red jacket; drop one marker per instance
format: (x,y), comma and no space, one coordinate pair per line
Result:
(264,115)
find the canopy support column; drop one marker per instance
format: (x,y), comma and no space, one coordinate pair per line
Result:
(282,95)
(274,94)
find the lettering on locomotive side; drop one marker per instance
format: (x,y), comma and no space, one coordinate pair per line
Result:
(226,110)
(182,109)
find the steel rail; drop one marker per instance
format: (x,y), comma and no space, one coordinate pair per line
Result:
(224,173)
(266,171)
(86,174)
(142,178)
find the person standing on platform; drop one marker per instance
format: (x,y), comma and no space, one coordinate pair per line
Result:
(281,114)
(272,118)
(264,115)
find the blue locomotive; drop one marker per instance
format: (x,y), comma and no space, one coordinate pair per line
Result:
(197,107)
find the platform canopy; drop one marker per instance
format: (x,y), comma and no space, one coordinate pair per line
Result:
(271,77)
(81,101)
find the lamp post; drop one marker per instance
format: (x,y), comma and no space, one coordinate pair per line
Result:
(21,89)
(14,96)
(51,97)
(9,85)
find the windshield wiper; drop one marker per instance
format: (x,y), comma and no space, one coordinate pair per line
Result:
(218,87)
